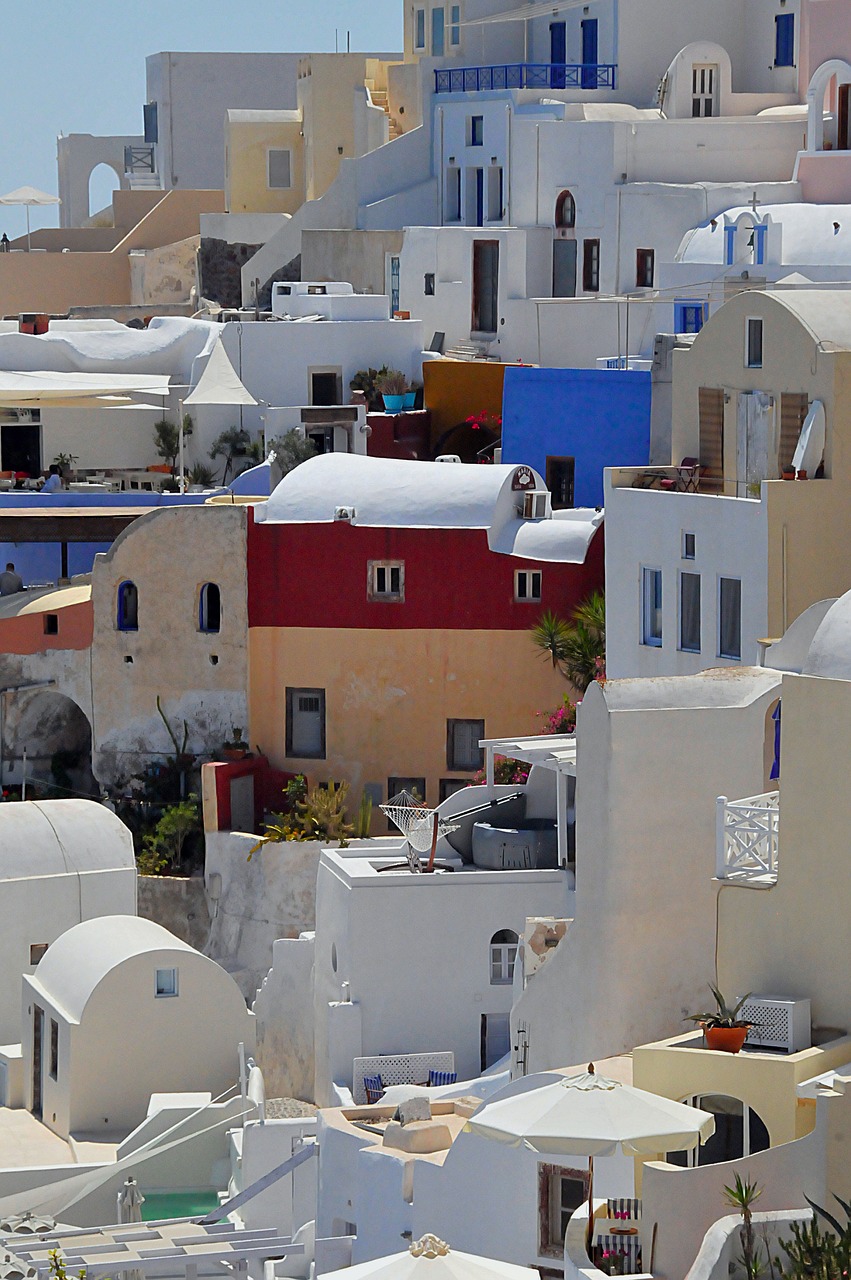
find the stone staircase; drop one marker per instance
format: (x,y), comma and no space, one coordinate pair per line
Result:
(379,99)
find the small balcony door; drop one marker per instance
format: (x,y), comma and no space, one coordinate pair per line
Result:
(589,53)
(485,286)
(558,53)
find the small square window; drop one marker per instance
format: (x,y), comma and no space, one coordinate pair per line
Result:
(689,546)
(476,131)
(527,586)
(37,950)
(448,787)
(51,624)
(428,284)
(753,342)
(279,169)
(463,752)
(386,580)
(166,982)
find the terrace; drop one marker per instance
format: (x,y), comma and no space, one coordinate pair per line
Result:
(526,75)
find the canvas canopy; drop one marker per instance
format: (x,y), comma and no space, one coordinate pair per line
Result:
(219,383)
(47,385)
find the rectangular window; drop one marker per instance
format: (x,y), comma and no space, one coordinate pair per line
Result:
(645,262)
(560,477)
(689,316)
(385,580)
(51,624)
(527,586)
(753,342)
(306,723)
(703,90)
(784,40)
(452,194)
(475,131)
(37,950)
(689,546)
(503,958)
(651,607)
(560,1193)
(279,169)
(54,1049)
(419,33)
(495,190)
(591,266)
(448,787)
(428,284)
(166,982)
(730,618)
(438,32)
(455,30)
(463,752)
(690,612)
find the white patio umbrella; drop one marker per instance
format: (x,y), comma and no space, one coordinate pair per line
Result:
(432,1259)
(29,196)
(589,1115)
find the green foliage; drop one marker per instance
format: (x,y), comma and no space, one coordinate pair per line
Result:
(366,380)
(577,648)
(742,1196)
(363,822)
(291,450)
(725,1015)
(167,438)
(57,1269)
(231,444)
(315,814)
(201,474)
(164,845)
(814,1253)
(392,383)
(65,462)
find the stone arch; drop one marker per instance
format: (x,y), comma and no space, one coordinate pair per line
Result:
(57,736)
(829,76)
(100,197)
(676,91)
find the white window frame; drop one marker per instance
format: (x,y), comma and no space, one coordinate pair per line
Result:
(526,589)
(278,186)
(683,647)
(420,14)
(730,657)
(536,504)
(454,26)
(161,986)
(379,580)
(750,362)
(685,553)
(503,958)
(647,637)
(697,1100)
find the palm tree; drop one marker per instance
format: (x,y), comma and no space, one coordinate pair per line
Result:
(578,647)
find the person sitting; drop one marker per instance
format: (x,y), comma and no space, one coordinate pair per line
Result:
(53,483)
(10,582)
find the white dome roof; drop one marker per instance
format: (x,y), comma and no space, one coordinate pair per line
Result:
(830,651)
(61,837)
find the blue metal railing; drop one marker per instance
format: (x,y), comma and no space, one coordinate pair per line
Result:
(527,75)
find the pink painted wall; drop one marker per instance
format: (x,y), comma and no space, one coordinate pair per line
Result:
(825,34)
(825,177)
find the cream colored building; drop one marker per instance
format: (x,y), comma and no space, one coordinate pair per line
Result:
(120,1009)
(264,161)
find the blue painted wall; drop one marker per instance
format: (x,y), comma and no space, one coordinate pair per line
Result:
(600,417)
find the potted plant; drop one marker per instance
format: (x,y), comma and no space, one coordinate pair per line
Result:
(393,387)
(236,748)
(724,1029)
(411,397)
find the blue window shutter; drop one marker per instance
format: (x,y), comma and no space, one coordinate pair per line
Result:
(784,44)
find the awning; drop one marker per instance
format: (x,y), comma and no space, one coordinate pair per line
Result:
(47,385)
(219,383)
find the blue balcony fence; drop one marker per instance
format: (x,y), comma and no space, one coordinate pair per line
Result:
(527,75)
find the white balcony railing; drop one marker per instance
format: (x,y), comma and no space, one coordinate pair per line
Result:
(748,838)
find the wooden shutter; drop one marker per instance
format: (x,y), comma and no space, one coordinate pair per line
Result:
(793,410)
(711,413)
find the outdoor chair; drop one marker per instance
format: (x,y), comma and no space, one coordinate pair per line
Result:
(438,1078)
(686,479)
(624,1208)
(627,1247)
(374,1087)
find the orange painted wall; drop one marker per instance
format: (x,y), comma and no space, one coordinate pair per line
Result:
(24,634)
(455,389)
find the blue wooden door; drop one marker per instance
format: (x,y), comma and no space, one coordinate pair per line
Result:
(558,53)
(589,53)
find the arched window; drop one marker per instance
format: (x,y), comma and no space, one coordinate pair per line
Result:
(565,210)
(503,953)
(210,608)
(739,1132)
(128,607)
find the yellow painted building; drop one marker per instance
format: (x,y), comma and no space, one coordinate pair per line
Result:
(264,162)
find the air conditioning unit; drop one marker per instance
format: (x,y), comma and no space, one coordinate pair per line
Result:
(780,1024)
(535,506)
(344,513)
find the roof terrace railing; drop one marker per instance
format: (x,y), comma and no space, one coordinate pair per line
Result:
(527,75)
(748,838)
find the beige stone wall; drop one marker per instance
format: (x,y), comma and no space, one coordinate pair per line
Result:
(164,275)
(179,904)
(807,524)
(247,144)
(200,678)
(360,257)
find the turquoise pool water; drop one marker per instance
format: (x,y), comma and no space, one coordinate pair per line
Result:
(178,1204)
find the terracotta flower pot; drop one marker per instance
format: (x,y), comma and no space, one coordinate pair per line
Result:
(727,1039)
(234,753)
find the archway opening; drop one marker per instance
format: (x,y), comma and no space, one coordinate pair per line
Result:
(104,181)
(46,740)
(739,1132)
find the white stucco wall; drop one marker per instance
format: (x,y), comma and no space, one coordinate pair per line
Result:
(284,1012)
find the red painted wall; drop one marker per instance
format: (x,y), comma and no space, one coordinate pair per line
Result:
(315,575)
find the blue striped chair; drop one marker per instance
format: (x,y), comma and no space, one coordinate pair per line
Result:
(437,1078)
(374,1087)
(625,1208)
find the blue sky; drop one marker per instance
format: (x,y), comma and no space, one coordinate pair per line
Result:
(78,66)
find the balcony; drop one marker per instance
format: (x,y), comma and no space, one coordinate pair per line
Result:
(139,159)
(527,75)
(748,839)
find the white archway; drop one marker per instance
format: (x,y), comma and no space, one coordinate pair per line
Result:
(840,71)
(104,180)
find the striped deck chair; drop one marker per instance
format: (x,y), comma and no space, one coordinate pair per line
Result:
(437,1078)
(629,1247)
(374,1087)
(627,1209)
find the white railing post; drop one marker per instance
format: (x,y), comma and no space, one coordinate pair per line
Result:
(720,837)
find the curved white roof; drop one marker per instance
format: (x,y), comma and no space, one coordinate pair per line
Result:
(809,234)
(61,837)
(76,963)
(565,539)
(390,493)
(169,346)
(830,651)
(718,687)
